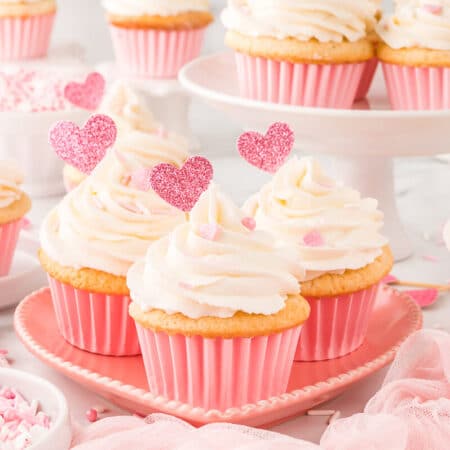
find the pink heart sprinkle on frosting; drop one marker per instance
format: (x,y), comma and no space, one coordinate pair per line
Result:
(268,152)
(141,179)
(182,187)
(424,297)
(249,222)
(313,239)
(433,9)
(209,231)
(87,95)
(83,148)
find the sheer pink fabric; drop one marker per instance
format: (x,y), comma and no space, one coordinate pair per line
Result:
(410,412)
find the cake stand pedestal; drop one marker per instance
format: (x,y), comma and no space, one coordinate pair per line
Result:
(165,98)
(362,141)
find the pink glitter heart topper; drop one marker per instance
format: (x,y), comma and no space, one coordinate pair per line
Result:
(182,187)
(268,152)
(83,148)
(87,95)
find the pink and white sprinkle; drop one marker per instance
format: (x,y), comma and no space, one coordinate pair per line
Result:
(21,421)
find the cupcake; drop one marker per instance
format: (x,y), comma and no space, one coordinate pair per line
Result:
(154,39)
(217,309)
(336,234)
(90,240)
(371,66)
(415,52)
(25,28)
(301,53)
(14,204)
(137,130)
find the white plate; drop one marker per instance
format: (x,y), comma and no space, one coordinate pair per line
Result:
(26,273)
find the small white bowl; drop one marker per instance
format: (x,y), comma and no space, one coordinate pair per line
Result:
(51,401)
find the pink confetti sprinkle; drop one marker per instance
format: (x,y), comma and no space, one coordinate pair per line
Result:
(162,132)
(141,179)
(432,9)
(26,223)
(424,297)
(388,279)
(430,258)
(182,187)
(209,231)
(92,415)
(87,95)
(249,223)
(130,206)
(268,152)
(313,239)
(83,148)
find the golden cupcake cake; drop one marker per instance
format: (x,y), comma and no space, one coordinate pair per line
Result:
(155,38)
(14,204)
(337,236)
(217,303)
(299,52)
(25,28)
(90,240)
(415,52)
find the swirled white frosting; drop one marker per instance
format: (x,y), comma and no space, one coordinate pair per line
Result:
(11,177)
(153,7)
(301,202)
(324,20)
(123,105)
(238,270)
(107,224)
(417,23)
(446,234)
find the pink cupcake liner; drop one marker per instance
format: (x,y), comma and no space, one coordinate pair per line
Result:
(97,323)
(319,85)
(336,326)
(417,87)
(155,53)
(24,38)
(217,373)
(370,68)
(9,235)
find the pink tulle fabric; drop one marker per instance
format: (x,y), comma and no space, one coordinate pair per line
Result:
(410,412)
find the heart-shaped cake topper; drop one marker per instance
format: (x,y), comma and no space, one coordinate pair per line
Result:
(182,187)
(268,152)
(87,95)
(83,148)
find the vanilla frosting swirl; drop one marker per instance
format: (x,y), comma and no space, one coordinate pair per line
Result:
(122,104)
(301,199)
(417,23)
(106,223)
(237,270)
(135,8)
(324,20)
(11,178)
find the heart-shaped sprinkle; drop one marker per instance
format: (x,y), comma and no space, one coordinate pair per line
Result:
(432,9)
(424,297)
(83,148)
(182,187)
(209,231)
(140,179)
(87,95)
(249,223)
(267,152)
(313,239)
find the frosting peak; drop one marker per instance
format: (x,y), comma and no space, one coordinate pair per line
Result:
(215,266)
(330,225)
(324,20)
(11,178)
(417,23)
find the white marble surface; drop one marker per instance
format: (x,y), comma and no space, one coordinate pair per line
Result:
(424,201)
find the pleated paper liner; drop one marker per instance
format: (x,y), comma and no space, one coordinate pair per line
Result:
(9,235)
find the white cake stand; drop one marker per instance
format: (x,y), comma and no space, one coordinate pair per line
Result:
(363,140)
